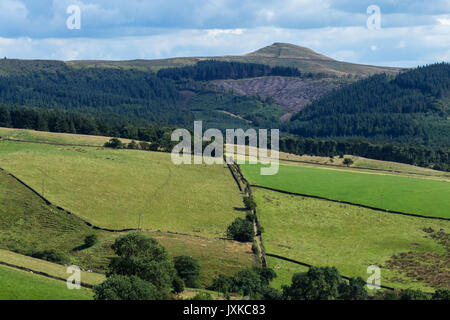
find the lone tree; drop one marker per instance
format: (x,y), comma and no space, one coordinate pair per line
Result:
(241,230)
(348,162)
(319,283)
(118,287)
(144,257)
(188,269)
(114,143)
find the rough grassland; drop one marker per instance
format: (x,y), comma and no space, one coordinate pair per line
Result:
(62,138)
(406,194)
(111,188)
(27,224)
(324,233)
(22,285)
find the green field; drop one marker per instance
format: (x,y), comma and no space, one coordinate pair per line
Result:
(324,233)
(406,194)
(24,218)
(22,285)
(111,188)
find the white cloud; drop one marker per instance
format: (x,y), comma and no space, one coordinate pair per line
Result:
(444,21)
(352,44)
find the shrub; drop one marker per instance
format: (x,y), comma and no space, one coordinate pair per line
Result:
(255,248)
(178,285)
(348,162)
(90,240)
(249,203)
(241,230)
(119,287)
(187,269)
(114,143)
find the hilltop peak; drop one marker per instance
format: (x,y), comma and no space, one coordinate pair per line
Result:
(287,50)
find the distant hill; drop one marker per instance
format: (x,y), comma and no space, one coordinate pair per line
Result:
(277,54)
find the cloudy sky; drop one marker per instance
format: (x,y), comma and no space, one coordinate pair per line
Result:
(410,33)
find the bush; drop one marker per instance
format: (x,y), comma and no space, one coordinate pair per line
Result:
(241,230)
(187,269)
(255,248)
(178,285)
(51,255)
(249,203)
(90,240)
(114,143)
(134,145)
(348,162)
(119,287)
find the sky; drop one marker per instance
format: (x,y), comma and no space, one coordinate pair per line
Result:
(403,33)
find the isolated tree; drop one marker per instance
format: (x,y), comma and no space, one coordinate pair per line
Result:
(145,258)
(348,162)
(119,287)
(241,230)
(114,143)
(319,283)
(187,269)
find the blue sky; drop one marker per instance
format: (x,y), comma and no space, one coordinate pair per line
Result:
(412,32)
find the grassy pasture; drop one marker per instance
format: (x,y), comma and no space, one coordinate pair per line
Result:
(111,188)
(53,137)
(351,238)
(21,285)
(406,194)
(50,268)
(24,218)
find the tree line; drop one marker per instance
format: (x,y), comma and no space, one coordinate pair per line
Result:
(214,70)
(438,159)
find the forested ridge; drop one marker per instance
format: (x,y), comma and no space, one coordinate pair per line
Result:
(403,118)
(412,107)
